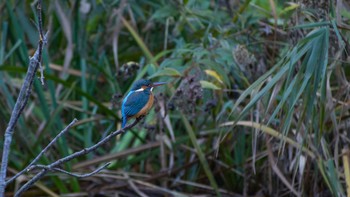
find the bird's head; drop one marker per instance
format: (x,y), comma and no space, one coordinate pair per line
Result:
(144,84)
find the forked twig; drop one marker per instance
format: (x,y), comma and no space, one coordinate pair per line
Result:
(72,156)
(26,169)
(21,102)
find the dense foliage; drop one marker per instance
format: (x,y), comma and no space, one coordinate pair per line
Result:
(256,101)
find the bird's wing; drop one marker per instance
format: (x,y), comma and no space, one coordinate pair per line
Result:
(133,103)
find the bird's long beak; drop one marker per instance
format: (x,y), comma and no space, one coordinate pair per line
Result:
(155,84)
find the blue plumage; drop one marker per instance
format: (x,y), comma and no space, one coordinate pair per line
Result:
(135,100)
(139,100)
(142,82)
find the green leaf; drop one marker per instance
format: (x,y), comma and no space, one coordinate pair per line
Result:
(166,72)
(164,12)
(209,85)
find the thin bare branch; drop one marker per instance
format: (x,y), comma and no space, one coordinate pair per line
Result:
(21,102)
(74,155)
(26,169)
(70,173)
(42,39)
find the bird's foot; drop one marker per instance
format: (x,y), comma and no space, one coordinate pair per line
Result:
(140,117)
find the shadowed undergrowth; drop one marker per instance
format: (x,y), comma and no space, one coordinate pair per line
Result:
(256,102)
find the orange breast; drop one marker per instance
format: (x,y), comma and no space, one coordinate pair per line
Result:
(147,107)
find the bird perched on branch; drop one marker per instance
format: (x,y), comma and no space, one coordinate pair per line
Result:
(139,100)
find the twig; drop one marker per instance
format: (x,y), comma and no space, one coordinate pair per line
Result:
(40,21)
(21,103)
(42,40)
(42,74)
(70,173)
(74,155)
(29,167)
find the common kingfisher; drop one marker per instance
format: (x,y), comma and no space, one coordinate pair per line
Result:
(139,100)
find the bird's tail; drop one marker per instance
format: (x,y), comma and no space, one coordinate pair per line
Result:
(124,120)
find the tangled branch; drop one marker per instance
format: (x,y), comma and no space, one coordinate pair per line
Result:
(54,166)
